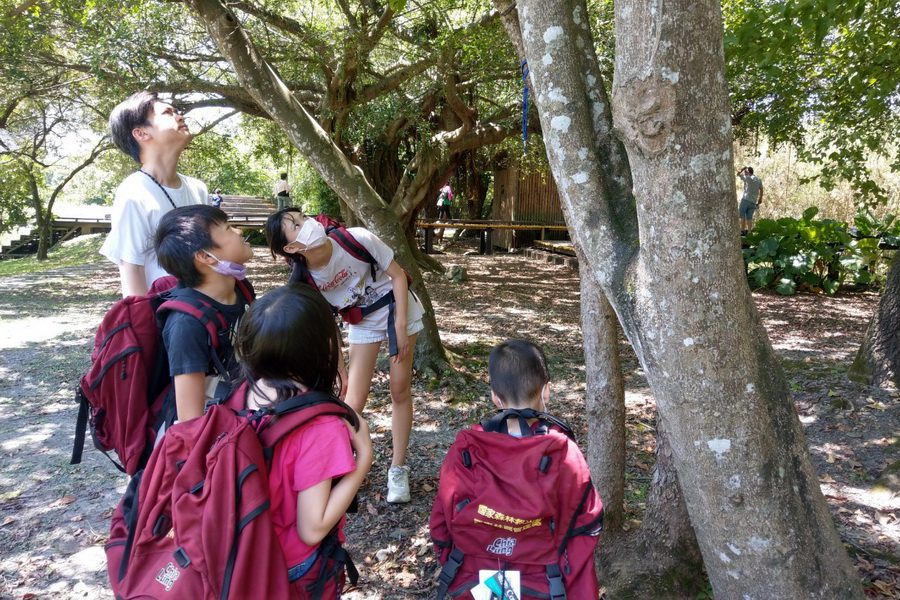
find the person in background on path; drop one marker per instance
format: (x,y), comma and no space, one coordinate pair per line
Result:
(154,134)
(282,192)
(444,201)
(751,199)
(217,198)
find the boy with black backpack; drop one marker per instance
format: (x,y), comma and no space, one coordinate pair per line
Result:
(516,514)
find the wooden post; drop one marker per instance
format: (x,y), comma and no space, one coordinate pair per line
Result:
(489,237)
(429,240)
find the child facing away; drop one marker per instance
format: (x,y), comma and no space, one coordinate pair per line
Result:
(516,510)
(198,246)
(288,345)
(345,282)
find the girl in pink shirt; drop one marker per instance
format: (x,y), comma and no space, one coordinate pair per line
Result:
(288,344)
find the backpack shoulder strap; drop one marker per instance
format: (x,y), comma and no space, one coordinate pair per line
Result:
(300,274)
(349,243)
(557,422)
(294,412)
(498,424)
(245,289)
(211,319)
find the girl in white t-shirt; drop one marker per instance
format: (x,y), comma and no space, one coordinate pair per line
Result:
(345,282)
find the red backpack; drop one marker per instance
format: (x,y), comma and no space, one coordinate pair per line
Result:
(522,504)
(195,522)
(127,394)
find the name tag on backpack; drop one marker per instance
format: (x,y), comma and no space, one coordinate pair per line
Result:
(505,585)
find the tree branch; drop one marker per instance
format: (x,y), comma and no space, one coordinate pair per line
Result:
(389,84)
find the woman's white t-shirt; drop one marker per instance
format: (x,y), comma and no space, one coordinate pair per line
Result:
(138,206)
(346,281)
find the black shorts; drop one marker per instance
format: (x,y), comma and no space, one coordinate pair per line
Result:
(444,212)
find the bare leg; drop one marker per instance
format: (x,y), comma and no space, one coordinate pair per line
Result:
(362,365)
(402,405)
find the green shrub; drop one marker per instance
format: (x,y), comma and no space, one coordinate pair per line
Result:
(817,255)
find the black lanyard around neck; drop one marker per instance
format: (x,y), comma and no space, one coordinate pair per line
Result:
(153,179)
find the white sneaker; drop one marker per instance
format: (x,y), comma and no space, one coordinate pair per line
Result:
(398,484)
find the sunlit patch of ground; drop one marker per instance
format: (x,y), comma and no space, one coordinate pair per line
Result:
(54,517)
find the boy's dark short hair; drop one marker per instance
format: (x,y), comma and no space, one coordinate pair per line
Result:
(518,371)
(132,112)
(284,175)
(750,170)
(183,232)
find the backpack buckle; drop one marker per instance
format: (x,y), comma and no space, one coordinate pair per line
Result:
(454,562)
(555,580)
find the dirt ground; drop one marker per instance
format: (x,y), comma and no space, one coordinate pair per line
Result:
(54,517)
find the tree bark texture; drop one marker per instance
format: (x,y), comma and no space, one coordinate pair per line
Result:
(346,179)
(605,401)
(661,558)
(671,267)
(878,360)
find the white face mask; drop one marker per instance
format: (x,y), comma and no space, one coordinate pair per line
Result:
(312,234)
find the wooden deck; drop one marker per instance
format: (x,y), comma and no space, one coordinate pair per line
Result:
(485,228)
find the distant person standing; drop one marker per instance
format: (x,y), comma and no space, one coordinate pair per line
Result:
(751,199)
(444,201)
(154,134)
(217,198)
(282,192)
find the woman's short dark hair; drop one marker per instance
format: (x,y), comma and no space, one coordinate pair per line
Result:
(275,237)
(132,112)
(288,336)
(183,232)
(518,371)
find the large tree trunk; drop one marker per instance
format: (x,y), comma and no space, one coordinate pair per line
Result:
(671,267)
(604,400)
(878,359)
(660,559)
(346,179)
(41,217)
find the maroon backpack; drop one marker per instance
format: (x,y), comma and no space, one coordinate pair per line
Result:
(195,523)
(522,504)
(125,395)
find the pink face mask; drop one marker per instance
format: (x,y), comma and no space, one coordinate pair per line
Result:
(228,268)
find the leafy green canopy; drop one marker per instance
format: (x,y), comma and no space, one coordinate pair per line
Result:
(820,74)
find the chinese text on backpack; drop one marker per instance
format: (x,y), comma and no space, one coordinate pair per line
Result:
(125,394)
(522,504)
(195,523)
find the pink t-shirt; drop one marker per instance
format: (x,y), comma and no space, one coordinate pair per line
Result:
(317,451)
